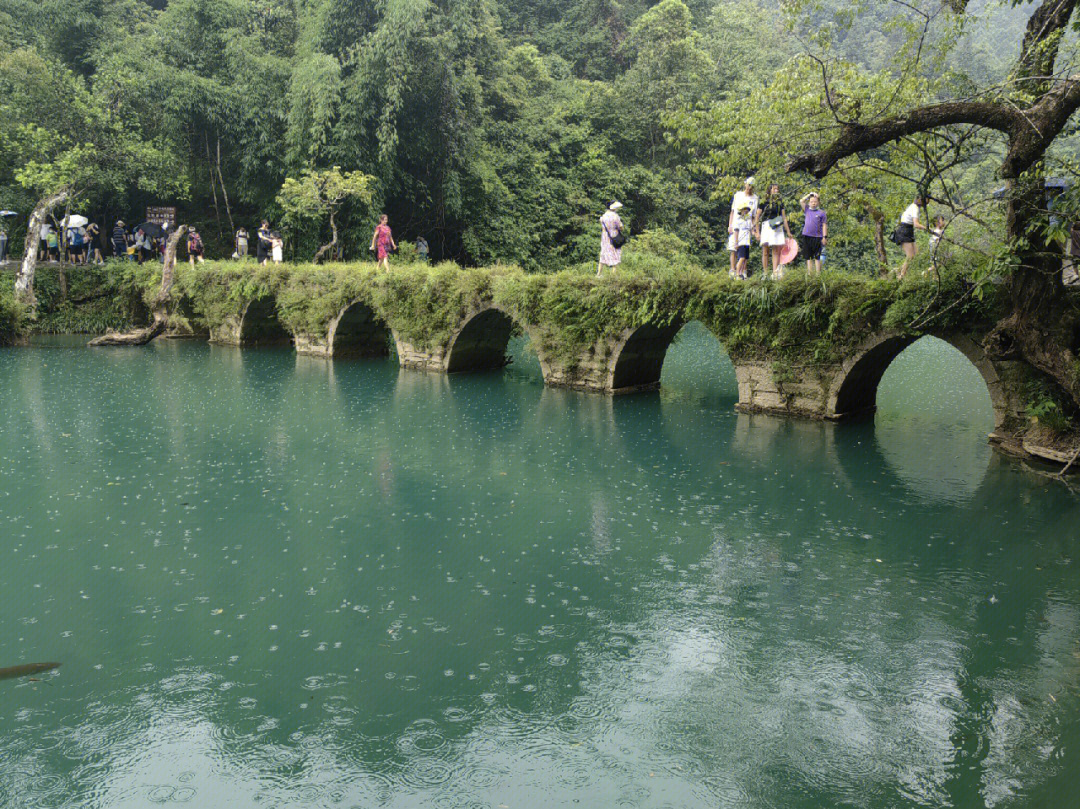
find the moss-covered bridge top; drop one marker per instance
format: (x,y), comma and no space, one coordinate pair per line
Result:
(804,318)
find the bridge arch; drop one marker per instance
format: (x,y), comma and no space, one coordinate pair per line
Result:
(854,389)
(260,326)
(480,343)
(638,357)
(186,321)
(359,331)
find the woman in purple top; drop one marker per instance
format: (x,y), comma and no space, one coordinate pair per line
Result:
(815,231)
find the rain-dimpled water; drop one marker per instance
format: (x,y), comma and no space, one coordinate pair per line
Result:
(277,581)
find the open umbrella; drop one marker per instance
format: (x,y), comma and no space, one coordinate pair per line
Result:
(76,221)
(8,213)
(151,229)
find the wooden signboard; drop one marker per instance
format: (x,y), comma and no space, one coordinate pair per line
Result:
(161,215)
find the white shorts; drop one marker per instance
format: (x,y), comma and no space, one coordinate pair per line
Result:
(732,242)
(772,238)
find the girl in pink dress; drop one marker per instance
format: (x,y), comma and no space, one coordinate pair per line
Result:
(382,242)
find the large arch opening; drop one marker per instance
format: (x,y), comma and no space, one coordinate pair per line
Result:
(360,332)
(930,371)
(697,368)
(858,391)
(933,410)
(481,344)
(260,325)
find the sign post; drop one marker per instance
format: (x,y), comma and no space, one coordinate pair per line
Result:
(162,215)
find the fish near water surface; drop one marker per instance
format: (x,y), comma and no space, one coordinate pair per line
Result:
(26,670)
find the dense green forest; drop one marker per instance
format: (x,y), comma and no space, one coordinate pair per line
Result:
(499,129)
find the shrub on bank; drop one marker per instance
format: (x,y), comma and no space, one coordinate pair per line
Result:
(12,316)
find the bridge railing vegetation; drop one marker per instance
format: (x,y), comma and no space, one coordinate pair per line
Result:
(810,318)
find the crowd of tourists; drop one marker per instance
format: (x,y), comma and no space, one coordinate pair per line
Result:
(765,221)
(750,219)
(79,241)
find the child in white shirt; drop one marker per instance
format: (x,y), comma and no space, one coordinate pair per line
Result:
(741,227)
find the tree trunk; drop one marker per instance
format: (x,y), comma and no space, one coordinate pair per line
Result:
(213,185)
(61,237)
(24,280)
(879,245)
(332,243)
(1041,328)
(144,335)
(224,193)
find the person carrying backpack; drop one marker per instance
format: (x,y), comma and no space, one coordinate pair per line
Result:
(194,247)
(75,238)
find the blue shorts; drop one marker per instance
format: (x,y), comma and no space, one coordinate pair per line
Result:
(742,251)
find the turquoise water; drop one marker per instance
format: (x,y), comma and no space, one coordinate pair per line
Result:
(275,581)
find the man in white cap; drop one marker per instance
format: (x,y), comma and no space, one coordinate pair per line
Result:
(744,198)
(611,239)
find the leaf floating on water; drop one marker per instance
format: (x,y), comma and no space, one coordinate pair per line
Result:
(218,611)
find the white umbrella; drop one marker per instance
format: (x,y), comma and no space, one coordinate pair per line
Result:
(76,221)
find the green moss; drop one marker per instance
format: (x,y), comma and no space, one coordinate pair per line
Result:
(97,298)
(801,320)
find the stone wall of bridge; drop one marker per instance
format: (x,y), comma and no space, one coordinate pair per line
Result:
(626,357)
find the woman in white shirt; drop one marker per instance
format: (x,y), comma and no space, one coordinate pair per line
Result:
(905,231)
(745,197)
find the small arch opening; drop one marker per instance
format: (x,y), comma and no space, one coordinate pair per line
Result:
(184,321)
(933,370)
(641,358)
(260,325)
(361,333)
(482,343)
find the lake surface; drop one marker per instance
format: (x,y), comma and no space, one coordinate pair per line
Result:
(280,582)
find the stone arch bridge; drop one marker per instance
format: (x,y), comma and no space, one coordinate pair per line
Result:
(464,324)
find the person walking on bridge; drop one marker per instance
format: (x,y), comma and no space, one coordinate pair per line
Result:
(241,244)
(905,231)
(382,242)
(264,246)
(612,238)
(119,240)
(772,230)
(747,196)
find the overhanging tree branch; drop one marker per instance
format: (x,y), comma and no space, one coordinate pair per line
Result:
(855,137)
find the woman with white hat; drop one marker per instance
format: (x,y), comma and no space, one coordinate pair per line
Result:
(612,239)
(745,197)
